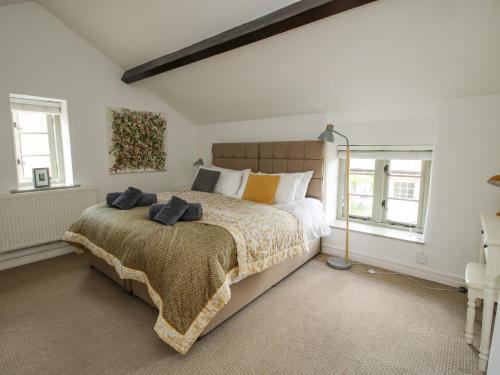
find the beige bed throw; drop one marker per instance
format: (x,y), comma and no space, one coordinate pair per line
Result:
(189,266)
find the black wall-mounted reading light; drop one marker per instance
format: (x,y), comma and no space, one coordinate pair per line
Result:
(198,163)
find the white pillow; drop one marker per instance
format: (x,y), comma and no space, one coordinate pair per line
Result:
(244,180)
(229,182)
(287,187)
(301,191)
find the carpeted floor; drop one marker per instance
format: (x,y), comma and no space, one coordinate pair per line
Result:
(61,317)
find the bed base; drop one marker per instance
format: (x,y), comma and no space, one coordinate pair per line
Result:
(242,293)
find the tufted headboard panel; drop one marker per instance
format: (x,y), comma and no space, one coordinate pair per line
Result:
(275,157)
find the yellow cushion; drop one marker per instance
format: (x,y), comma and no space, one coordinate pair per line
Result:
(261,188)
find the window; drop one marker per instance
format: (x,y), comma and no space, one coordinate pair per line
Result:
(362,183)
(386,188)
(404,189)
(38,138)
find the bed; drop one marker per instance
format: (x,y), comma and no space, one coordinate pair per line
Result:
(266,157)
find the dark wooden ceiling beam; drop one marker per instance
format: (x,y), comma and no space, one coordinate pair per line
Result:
(284,19)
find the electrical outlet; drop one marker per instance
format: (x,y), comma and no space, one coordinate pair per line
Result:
(421,258)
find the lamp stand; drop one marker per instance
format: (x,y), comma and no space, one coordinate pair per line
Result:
(344,263)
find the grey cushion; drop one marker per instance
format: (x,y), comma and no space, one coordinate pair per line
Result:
(127,199)
(154,209)
(193,212)
(147,199)
(205,180)
(170,213)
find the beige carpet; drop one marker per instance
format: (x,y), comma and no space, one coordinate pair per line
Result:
(61,317)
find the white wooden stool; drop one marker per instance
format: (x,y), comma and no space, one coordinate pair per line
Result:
(475,277)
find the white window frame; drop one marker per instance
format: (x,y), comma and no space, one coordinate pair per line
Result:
(381,195)
(54,131)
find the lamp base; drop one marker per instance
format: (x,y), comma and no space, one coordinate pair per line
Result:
(339,263)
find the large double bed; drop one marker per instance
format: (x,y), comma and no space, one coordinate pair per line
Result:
(198,274)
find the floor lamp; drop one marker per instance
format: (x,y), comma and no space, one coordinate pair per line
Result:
(340,263)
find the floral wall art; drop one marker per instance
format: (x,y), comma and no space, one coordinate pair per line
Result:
(136,141)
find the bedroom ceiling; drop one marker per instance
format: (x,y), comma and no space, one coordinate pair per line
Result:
(10,2)
(386,60)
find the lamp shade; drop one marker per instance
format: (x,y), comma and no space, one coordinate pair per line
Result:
(495,181)
(327,135)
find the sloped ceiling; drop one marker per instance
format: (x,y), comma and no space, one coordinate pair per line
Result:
(11,2)
(386,60)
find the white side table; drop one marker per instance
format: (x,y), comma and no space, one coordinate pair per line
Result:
(491,240)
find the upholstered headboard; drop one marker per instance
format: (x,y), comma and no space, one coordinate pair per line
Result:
(275,157)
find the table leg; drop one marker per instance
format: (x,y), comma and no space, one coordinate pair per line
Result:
(471,315)
(489,301)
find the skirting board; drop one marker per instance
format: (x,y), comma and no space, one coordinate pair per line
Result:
(421,273)
(33,254)
(38,253)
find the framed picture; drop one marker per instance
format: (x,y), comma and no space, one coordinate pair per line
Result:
(41,177)
(136,141)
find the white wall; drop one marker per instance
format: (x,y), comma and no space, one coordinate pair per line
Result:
(467,153)
(466,139)
(395,132)
(309,126)
(42,57)
(399,255)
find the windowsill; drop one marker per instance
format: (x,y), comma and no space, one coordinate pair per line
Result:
(29,189)
(396,234)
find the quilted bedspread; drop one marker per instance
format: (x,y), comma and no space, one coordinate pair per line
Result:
(188,267)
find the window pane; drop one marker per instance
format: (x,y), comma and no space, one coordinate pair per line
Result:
(362,164)
(402,211)
(31,162)
(360,206)
(32,122)
(35,144)
(361,184)
(406,166)
(404,187)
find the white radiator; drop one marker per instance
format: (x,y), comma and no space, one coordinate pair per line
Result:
(34,218)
